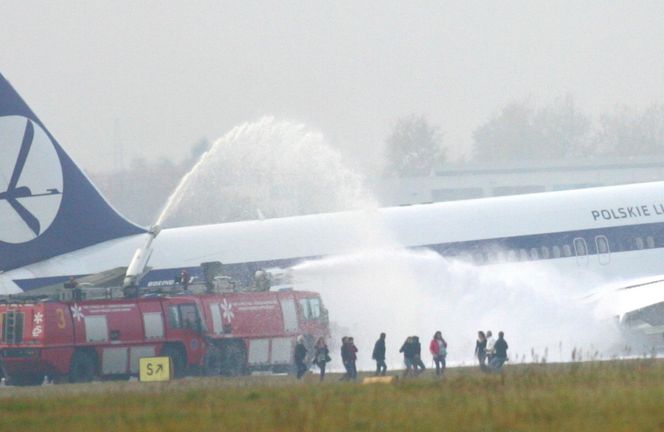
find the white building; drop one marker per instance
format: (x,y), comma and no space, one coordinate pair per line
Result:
(475,180)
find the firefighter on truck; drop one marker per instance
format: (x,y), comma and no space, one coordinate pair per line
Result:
(212,331)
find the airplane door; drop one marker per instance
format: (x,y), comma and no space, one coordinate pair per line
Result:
(581,251)
(603,250)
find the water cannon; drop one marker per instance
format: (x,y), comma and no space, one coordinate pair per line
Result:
(275,278)
(140,260)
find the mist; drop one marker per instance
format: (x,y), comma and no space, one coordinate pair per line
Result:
(116,82)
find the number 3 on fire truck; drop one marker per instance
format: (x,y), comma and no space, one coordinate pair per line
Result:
(155,369)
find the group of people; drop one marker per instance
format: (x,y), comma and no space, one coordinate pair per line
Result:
(412,354)
(491,353)
(321,357)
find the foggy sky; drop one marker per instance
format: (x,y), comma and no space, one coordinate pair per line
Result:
(115,80)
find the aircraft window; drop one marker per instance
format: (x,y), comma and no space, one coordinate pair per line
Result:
(650,242)
(534,254)
(523,255)
(511,255)
(545,252)
(580,246)
(567,250)
(602,244)
(638,242)
(466,257)
(556,252)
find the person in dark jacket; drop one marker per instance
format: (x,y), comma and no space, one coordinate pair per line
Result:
(352,355)
(299,356)
(480,349)
(346,358)
(379,355)
(322,356)
(408,354)
(418,364)
(499,353)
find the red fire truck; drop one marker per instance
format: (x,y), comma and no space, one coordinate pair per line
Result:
(213,332)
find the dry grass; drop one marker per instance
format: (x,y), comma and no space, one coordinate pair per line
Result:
(611,396)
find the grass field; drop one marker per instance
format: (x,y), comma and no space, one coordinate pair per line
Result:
(607,396)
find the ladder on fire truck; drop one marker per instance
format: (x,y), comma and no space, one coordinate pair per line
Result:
(10,327)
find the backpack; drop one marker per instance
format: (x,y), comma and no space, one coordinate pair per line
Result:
(442,351)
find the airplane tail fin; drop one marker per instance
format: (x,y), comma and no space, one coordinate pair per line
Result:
(47,205)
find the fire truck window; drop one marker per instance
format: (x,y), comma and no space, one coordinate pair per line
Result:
(174,317)
(314,303)
(306,313)
(189,315)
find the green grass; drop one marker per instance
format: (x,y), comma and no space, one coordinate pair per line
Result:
(607,396)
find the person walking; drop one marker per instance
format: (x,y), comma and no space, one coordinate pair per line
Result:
(480,349)
(408,353)
(418,364)
(299,356)
(438,349)
(379,355)
(352,349)
(322,356)
(345,358)
(499,354)
(490,342)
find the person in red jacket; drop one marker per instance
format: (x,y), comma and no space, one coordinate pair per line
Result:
(438,349)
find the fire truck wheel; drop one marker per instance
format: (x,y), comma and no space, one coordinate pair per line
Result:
(236,359)
(177,360)
(22,380)
(83,368)
(213,361)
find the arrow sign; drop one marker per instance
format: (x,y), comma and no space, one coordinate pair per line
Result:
(154,369)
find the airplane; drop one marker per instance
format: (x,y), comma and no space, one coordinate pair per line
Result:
(55,224)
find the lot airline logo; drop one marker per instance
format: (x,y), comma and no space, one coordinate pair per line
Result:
(227,311)
(30,180)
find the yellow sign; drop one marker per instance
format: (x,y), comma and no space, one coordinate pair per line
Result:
(154,369)
(391,379)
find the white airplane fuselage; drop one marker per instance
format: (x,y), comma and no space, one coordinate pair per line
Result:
(615,233)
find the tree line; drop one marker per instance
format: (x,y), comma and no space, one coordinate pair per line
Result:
(522,132)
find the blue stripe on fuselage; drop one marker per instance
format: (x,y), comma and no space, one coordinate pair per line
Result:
(620,239)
